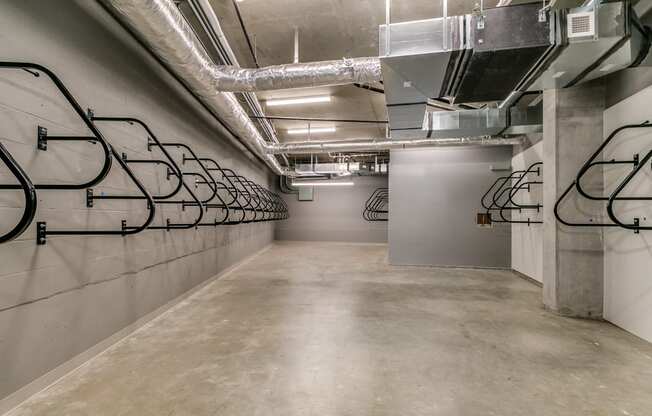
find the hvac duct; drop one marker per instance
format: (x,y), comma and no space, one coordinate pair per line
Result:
(384,144)
(160,25)
(298,75)
(499,56)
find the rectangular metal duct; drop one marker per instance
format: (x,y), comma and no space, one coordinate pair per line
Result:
(416,65)
(485,121)
(509,43)
(599,38)
(516,49)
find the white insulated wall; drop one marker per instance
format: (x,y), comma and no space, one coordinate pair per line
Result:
(58,300)
(628,256)
(527,241)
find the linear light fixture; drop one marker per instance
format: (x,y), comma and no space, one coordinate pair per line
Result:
(312,130)
(299,100)
(323,183)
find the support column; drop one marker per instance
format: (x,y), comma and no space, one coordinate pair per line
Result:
(573,268)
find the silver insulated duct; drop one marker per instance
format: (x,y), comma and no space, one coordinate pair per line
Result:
(160,25)
(299,75)
(386,144)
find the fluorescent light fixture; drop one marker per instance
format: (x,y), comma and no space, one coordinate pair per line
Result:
(312,130)
(323,183)
(299,100)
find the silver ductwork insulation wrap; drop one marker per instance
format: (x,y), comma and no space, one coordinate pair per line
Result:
(385,144)
(299,75)
(160,25)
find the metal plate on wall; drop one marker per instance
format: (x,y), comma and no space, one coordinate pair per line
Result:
(306,193)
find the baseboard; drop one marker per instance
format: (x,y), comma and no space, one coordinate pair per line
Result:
(527,278)
(53,376)
(451,266)
(335,243)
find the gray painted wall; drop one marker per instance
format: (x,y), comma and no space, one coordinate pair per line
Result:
(435,195)
(334,215)
(58,300)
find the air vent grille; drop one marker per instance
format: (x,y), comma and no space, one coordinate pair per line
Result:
(581,25)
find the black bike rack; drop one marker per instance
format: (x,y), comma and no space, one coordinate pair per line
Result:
(503,189)
(108,152)
(260,203)
(172,169)
(638,166)
(29,191)
(250,196)
(376,206)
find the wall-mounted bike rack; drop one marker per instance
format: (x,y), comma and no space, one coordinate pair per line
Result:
(502,195)
(376,208)
(638,165)
(260,203)
(172,169)
(108,152)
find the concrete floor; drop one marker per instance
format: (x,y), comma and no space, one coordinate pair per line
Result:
(330,329)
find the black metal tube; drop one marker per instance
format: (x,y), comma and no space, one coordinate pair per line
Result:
(125,230)
(590,162)
(106,148)
(614,196)
(172,164)
(29,211)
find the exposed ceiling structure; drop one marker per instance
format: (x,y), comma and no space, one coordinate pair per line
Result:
(327,30)
(459,78)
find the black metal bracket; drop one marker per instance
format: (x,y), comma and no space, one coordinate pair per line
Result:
(42,138)
(89,198)
(41,231)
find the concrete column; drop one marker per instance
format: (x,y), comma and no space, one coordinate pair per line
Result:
(572,257)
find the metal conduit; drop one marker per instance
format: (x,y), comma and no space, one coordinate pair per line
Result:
(384,144)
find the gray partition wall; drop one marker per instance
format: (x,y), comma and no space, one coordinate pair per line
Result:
(335,214)
(434,198)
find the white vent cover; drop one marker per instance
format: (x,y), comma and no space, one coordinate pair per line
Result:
(581,25)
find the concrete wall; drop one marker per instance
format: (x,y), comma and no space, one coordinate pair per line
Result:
(628,256)
(334,215)
(58,300)
(527,241)
(435,197)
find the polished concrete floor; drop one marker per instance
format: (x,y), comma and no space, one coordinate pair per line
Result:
(330,329)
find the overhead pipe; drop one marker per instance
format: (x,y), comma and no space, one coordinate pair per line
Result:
(296,75)
(384,144)
(160,26)
(214,30)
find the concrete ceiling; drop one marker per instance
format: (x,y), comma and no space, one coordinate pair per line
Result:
(328,29)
